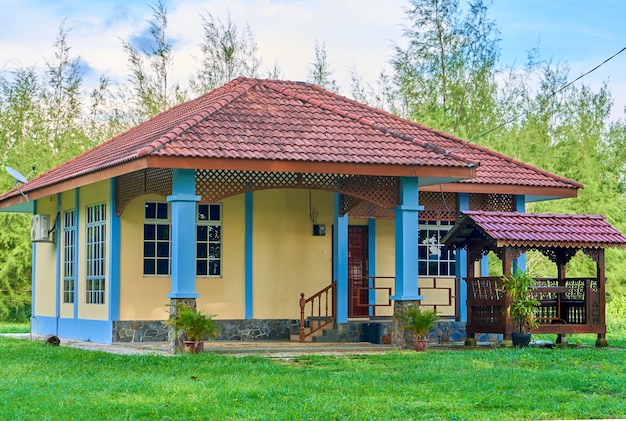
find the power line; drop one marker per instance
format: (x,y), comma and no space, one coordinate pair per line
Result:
(515,117)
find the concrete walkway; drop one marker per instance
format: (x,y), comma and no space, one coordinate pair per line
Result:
(272,349)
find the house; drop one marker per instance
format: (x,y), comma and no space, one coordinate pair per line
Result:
(245,198)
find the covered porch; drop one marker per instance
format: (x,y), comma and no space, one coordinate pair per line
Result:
(568,305)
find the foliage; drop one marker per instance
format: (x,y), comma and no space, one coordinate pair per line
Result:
(151,90)
(512,385)
(194,324)
(320,72)
(518,287)
(418,321)
(445,76)
(227,53)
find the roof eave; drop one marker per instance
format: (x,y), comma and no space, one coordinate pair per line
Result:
(487,188)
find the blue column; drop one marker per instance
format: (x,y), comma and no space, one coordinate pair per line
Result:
(33,277)
(77,246)
(461,264)
(519,264)
(407,240)
(59,236)
(183,202)
(114,258)
(340,259)
(371,260)
(249,296)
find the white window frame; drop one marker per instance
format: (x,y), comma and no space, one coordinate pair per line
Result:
(69,256)
(209,251)
(95,247)
(157,243)
(431,253)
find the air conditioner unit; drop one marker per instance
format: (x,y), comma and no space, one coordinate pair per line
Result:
(40,228)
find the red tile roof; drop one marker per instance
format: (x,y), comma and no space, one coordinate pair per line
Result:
(535,230)
(280,121)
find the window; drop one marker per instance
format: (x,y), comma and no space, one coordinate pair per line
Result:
(69,248)
(156,239)
(96,258)
(209,240)
(433,258)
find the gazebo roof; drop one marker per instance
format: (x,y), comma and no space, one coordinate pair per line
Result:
(514,229)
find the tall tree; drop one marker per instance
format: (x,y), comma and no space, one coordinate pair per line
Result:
(227,52)
(446,73)
(151,90)
(320,72)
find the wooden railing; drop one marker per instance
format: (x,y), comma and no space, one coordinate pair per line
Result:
(569,306)
(322,311)
(372,287)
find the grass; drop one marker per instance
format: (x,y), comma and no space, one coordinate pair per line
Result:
(14,327)
(38,381)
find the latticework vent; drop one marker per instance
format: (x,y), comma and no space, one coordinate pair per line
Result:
(438,206)
(492,202)
(215,185)
(151,180)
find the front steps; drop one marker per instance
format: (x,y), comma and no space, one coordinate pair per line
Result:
(373,331)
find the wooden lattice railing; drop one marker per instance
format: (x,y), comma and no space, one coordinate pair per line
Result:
(571,306)
(321,306)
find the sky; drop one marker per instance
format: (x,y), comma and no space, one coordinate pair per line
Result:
(358,34)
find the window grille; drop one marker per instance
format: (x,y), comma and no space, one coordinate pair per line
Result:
(157,239)
(433,258)
(209,240)
(69,249)
(96,256)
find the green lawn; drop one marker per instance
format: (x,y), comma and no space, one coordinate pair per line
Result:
(38,381)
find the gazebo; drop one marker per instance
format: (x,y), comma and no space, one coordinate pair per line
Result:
(571,305)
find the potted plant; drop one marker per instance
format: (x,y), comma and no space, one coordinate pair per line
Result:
(519,287)
(418,322)
(194,325)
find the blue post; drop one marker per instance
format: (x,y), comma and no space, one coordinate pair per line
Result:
(371,260)
(340,259)
(461,265)
(183,201)
(114,258)
(76,249)
(249,296)
(407,239)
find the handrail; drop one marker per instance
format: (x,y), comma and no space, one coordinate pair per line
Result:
(329,314)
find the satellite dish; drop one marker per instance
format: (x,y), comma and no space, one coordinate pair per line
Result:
(19,178)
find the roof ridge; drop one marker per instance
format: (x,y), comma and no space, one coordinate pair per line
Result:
(364,120)
(231,91)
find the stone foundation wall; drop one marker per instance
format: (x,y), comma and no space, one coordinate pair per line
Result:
(256,330)
(140,331)
(375,331)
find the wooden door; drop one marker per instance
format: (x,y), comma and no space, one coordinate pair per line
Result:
(357,272)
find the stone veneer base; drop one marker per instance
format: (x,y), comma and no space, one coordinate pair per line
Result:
(374,331)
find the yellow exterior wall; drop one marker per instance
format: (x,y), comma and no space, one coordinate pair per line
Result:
(385,262)
(68,202)
(288,259)
(224,296)
(92,195)
(45,265)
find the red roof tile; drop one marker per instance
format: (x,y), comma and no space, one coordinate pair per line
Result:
(536,230)
(251,119)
